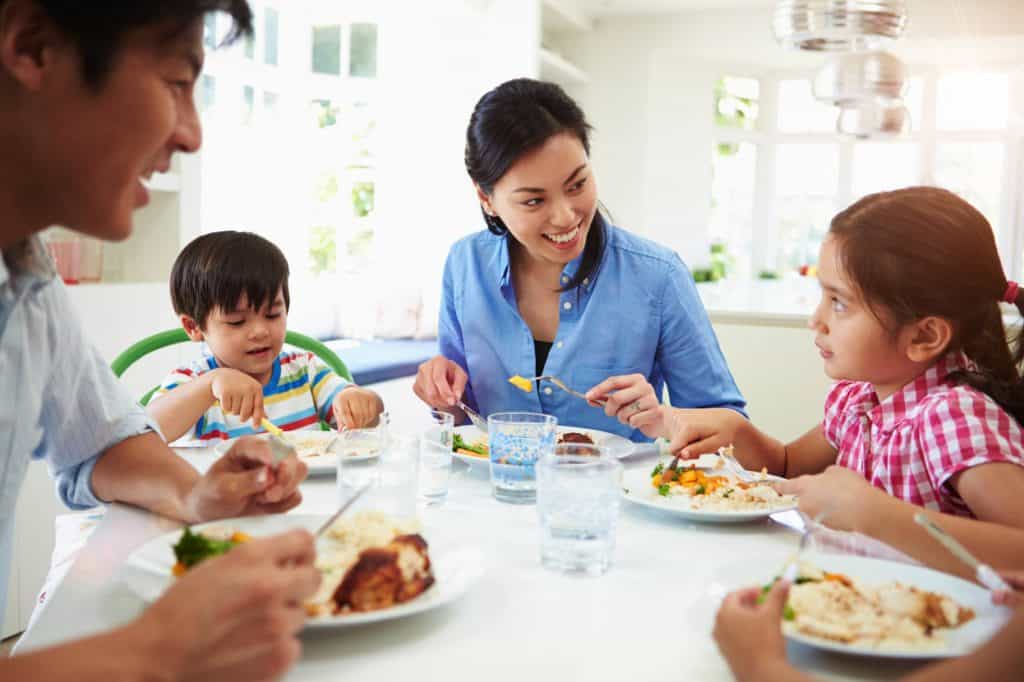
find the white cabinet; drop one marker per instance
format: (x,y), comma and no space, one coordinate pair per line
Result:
(561,19)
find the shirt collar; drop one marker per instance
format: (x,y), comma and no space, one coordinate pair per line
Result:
(27,258)
(505,271)
(895,409)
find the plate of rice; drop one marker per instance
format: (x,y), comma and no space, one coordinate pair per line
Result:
(320,449)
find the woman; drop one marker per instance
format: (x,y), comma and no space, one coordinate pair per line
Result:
(553,288)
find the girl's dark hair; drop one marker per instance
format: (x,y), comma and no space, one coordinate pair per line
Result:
(96,28)
(924,251)
(215,269)
(513,119)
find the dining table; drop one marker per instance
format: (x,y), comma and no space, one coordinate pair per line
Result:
(650,617)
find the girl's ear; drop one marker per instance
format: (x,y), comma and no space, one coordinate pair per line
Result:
(928,338)
(191,328)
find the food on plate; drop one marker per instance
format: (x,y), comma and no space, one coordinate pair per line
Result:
(195,547)
(890,615)
(568,437)
(522,383)
(721,492)
(474,449)
(368,562)
(308,446)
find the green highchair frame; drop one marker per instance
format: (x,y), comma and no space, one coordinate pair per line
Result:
(174,336)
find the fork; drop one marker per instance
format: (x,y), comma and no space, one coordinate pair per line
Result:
(733,464)
(478,421)
(560,384)
(791,567)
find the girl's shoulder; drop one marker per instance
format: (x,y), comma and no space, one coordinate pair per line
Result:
(958,403)
(846,395)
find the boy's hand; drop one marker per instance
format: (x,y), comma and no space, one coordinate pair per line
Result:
(357,408)
(1011,599)
(749,634)
(239,394)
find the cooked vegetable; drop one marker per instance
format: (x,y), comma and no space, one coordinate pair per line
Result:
(195,547)
(658,469)
(521,383)
(459,443)
(663,490)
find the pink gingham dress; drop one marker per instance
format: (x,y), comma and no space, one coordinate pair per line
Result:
(911,444)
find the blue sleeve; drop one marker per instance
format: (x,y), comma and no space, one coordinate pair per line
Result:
(86,410)
(688,353)
(449,329)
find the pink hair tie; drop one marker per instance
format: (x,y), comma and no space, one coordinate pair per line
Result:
(1010,295)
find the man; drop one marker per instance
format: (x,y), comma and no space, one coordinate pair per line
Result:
(94,97)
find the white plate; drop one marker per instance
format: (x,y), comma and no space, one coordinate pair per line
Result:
(637,488)
(147,571)
(988,618)
(618,446)
(319,464)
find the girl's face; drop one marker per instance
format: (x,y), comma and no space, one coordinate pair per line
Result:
(853,343)
(547,199)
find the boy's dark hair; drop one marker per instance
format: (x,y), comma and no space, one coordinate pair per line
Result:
(513,119)
(214,270)
(96,28)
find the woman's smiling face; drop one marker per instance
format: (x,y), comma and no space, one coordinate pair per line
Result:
(547,199)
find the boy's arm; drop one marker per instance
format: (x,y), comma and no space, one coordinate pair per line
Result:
(178,410)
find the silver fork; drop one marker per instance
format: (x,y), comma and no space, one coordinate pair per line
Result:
(558,382)
(478,421)
(733,464)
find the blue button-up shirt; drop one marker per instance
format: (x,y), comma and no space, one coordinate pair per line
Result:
(639,313)
(59,400)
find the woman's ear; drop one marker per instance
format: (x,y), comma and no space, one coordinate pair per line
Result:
(928,338)
(485,200)
(191,328)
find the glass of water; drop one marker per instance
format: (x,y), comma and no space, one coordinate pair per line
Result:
(436,457)
(517,440)
(578,505)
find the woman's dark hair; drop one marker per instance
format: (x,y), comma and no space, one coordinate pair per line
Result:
(513,119)
(924,251)
(96,28)
(215,269)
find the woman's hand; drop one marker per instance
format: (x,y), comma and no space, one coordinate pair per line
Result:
(357,408)
(841,496)
(749,634)
(239,394)
(440,382)
(692,432)
(631,399)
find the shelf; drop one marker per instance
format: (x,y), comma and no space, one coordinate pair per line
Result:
(163,182)
(563,16)
(556,68)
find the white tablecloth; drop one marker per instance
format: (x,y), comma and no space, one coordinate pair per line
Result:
(649,618)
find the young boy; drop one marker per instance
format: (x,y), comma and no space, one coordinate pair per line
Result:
(230,290)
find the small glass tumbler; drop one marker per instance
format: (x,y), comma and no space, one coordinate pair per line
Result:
(517,440)
(578,491)
(435,465)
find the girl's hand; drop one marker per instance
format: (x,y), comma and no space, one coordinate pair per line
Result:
(631,400)
(749,634)
(692,432)
(845,498)
(440,382)
(357,408)
(1016,597)
(239,394)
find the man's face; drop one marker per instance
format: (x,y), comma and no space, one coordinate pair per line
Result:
(98,144)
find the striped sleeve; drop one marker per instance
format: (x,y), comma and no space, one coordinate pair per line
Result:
(324,384)
(179,376)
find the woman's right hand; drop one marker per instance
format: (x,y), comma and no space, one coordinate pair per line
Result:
(235,617)
(440,382)
(239,394)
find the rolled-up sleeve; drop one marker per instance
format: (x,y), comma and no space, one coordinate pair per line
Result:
(86,410)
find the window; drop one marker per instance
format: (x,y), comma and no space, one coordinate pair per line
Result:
(209,93)
(973,101)
(327,50)
(800,112)
(270,36)
(879,166)
(975,172)
(733,177)
(248,104)
(807,185)
(210,31)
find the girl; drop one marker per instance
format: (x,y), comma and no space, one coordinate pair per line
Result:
(552,288)
(928,397)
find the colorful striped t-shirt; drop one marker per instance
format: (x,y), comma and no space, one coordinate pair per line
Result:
(299,395)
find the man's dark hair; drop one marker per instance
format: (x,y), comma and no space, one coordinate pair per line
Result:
(214,270)
(96,28)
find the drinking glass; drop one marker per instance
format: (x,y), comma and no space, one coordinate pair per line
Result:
(578,505)
(392,474)
(517,440)
(435,464)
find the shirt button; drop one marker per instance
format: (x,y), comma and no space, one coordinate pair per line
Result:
(547,390)
(559,344)
(586,280)
(565,280)
(567,305)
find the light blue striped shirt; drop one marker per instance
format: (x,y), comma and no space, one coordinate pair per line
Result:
(59,401)
(640,313)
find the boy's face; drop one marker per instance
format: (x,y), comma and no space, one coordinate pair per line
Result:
(93,147)
(244,339)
